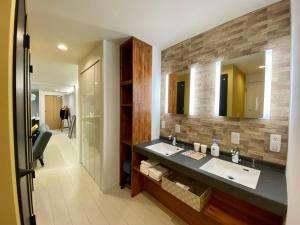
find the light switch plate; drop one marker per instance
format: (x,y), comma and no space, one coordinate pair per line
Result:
(177,128)
(275,142)
(163,124)
(235,138)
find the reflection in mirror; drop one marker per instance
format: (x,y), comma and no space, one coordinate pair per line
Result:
(242,87)
(178,92)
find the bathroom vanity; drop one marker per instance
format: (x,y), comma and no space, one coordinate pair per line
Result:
(232,80)
(264,202)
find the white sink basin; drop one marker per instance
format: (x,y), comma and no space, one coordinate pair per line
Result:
(236,173)
(164,149)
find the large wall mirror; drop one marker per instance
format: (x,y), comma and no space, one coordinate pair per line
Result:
(178,92)
(242,86)
(242,89)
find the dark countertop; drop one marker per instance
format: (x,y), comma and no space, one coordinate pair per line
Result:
(270,193)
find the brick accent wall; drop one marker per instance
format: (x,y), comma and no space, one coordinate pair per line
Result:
(267,28)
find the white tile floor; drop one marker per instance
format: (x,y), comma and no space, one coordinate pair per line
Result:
(65,195)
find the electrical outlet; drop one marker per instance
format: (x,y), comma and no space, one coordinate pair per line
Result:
(275,142)
(235,138)
(177,128)
(163,124)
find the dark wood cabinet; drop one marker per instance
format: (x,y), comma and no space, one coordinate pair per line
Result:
(135,101)
(222,208)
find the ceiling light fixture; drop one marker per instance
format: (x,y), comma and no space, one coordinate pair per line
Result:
(62,47)
(261,67)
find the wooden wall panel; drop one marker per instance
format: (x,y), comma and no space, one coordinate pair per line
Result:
(267,28)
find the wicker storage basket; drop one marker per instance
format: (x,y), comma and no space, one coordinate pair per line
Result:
(196,197)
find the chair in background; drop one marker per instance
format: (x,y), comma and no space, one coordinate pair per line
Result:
(41,142)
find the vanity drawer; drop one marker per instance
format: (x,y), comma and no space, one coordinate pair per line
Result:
(196,197)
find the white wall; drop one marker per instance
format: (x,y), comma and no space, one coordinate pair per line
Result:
(155,108)
(111,85)
(77,100)
(42,103)
(70,101)
(293,165)
(52,71)
(91,58)
(108,52)
(251,78)
(35,105)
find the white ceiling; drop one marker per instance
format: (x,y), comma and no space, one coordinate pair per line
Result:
(62,89)
(159,22)
(80,23)
(52,74)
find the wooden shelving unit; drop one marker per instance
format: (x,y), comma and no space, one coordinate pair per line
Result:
(124,83)
(126,105)
(126,142)
(135,105)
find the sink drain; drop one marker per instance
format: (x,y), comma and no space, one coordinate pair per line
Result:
(230,177)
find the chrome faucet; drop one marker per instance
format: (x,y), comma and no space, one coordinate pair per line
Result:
(253,163)
(173,138)
(235,152)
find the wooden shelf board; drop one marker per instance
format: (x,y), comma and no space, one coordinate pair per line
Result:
(126,82)
(126,105)
(126,142)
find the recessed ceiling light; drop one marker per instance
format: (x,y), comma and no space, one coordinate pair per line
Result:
(261,67)
(62,47)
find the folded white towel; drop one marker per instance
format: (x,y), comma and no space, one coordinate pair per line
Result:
(157,172)
(149,163)
(144,171)
(145,166)
(155,178)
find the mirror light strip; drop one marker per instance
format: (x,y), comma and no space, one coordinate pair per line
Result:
(167,94)
(217,88)
(268,83)
(192,92)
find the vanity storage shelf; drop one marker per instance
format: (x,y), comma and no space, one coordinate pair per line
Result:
(196,197)
(135,101)
(201,204)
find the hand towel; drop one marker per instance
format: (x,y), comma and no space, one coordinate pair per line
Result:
(149,163)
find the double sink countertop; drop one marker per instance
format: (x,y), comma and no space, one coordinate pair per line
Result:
(270,193)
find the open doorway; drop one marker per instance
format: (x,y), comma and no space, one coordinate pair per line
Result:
(53,115)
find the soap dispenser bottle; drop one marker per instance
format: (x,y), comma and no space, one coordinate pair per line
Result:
(215,149)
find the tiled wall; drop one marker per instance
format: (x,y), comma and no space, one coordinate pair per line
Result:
(267,28)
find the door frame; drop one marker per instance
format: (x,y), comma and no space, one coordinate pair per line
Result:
(8,192)
(21,116)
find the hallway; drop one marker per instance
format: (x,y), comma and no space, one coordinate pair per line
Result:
(66,195)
